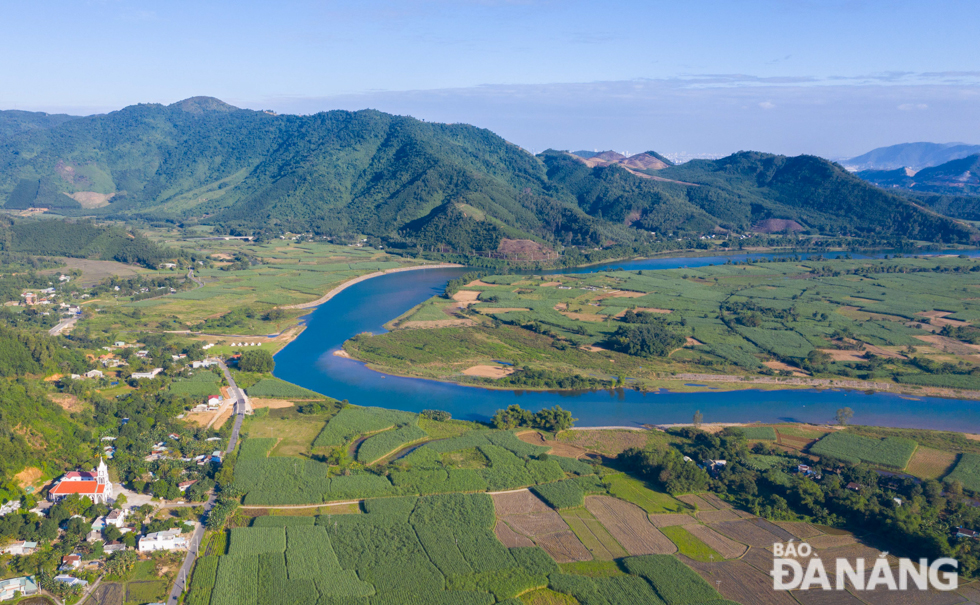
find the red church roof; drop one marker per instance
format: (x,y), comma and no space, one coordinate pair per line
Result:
(77,487)
(83,475)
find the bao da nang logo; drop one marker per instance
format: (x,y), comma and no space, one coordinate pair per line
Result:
(796,567)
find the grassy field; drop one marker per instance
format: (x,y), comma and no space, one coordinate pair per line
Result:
(690,546)
(856,319)
(282,273)
(633,490)
(293,431)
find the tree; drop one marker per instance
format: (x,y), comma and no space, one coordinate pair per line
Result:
(120,502)
(112,533)
(256,360)
(844,415)
(698,419)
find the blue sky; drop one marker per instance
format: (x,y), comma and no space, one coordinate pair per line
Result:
(835,77)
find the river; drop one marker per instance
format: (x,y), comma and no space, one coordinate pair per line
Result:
(365,307)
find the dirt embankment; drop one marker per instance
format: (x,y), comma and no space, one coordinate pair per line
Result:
(357,280)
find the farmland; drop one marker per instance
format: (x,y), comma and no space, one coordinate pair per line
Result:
(893,452)
(967,472)
(796,323)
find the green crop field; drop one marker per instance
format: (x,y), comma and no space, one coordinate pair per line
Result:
(967,472)
(753,433)
(894,452)
(273,387)
(789,315)
(353,421)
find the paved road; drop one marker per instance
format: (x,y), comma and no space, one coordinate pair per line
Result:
(180,585)
(63,325)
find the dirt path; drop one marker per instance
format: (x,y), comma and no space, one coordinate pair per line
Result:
(357,280)
(298,506)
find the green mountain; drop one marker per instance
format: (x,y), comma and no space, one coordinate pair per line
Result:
(438,186)
(956,177)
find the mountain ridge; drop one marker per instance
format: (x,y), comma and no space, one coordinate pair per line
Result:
(910,155)
(424,184)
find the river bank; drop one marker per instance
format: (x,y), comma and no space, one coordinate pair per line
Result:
(347,284)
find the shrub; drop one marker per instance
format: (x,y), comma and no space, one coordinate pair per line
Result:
(256,360)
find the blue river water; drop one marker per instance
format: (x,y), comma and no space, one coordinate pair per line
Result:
(365,307)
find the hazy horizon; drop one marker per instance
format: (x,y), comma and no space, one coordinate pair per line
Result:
(834,78)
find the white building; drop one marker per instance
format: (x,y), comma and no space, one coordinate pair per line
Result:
(162,540)
(151,374)
(71,580)
(116,518)
(20,548)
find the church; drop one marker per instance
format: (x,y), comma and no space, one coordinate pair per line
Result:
(94,485)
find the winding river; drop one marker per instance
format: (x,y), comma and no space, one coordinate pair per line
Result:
(365,307)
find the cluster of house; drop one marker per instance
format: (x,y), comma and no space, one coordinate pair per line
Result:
(96,486)
(806,471)
(246,344)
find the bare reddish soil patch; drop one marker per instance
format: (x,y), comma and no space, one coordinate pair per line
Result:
(670,519)
(557,448)
(780,366)
(777,225)
(610,443)
(524,249)
(739,582)
(67,402)
(28,476)
(521,502)
(630,526)
(753,533)
(801,530)
(717,516)
(272,404)
(830,541)
(484,371)
(697,502)
(510,538)
(466,296)
(525,514)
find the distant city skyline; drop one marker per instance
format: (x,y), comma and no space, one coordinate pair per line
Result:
(834,78)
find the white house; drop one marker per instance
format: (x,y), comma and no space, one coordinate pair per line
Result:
(20,548)
(93,374)
(162,540)
(116,518)
(15,587)
(70,580)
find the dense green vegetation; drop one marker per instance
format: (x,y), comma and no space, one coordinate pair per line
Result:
(422,186)
(83,239)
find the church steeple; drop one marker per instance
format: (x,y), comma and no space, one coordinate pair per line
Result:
(102,473)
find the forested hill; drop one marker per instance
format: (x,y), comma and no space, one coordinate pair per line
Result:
(956,177)
(417,183)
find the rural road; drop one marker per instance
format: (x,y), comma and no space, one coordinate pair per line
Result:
(63,325)
(180,584)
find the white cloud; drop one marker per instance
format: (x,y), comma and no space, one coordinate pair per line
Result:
(767,105)
(912,106)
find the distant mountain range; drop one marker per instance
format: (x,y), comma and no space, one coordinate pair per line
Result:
(411,183)
(957,177)
(910,155)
